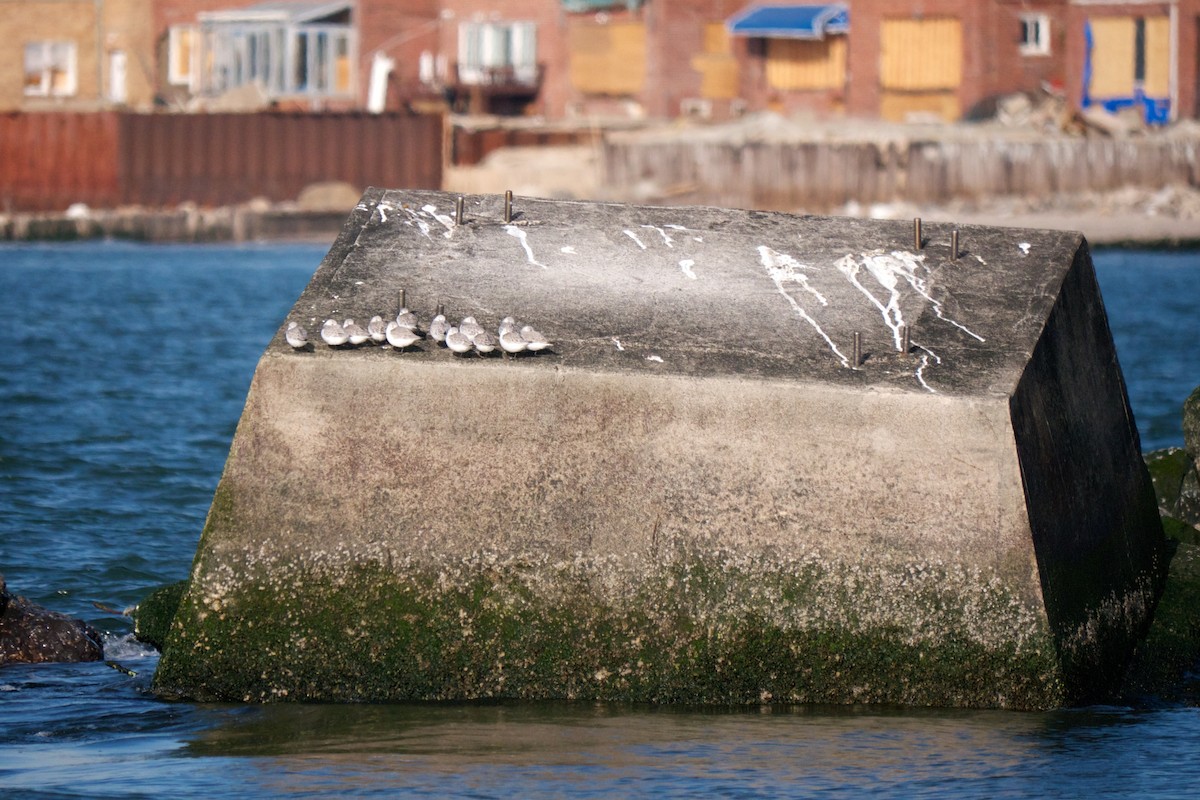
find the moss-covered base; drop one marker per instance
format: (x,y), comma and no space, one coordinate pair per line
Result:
(717,630)
(152,617)
(1165,663)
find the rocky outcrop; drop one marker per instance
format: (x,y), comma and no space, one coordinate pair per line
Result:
(1177,479)
(1191,424)
(30,634)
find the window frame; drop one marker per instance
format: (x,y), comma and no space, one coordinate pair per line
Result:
(1039,45)
(45,87)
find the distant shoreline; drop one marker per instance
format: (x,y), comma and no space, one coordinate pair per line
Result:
(256,222)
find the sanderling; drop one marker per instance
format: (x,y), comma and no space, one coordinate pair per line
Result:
(399,336)
(438,328)
(333,334)
(357,333)
(457,341)
(512,342)
(534,340)
(377,329)
(470,328)
(507,324)
(484,342)
(296,336)
(406,319)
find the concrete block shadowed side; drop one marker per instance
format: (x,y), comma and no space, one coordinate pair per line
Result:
(695,495)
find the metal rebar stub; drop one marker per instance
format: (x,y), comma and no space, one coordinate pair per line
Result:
(508,200)
(458,210)
(954,245)
(856,357)
(917,233)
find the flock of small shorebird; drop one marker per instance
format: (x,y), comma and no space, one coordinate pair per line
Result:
(404,331)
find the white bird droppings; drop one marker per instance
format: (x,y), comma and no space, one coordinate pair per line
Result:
(686,265)
(513,230)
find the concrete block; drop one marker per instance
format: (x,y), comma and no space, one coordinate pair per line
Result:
(696,494)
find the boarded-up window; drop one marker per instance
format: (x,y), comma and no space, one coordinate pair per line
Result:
(608,59)
(717,66)
(1158,57)
(1126,50)
(921,54)
(1113,57)
(799,64)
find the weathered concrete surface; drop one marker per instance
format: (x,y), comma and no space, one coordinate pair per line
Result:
(694,496)
(30,634)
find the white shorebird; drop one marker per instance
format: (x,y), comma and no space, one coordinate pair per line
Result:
(534,340)
(406,319)
(457,341)
(377,329)
(296,336)
(484,342)
(507,324)
(357,333)
(399,336)
(512,343)
(333,334)
(470,328)
(438,328)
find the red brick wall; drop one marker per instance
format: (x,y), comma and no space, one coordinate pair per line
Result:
(675,36)
(400,30)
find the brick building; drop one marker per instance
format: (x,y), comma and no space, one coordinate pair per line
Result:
(899,59)
(896,59)
(75,54)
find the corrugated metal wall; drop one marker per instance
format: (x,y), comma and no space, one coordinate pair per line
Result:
(469,146)
(50,160)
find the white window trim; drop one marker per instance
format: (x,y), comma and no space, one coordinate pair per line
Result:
(46,88)
(1041,46)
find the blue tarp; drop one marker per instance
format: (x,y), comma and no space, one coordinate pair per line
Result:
(790,21)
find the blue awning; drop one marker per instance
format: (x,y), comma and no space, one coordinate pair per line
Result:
(790,21)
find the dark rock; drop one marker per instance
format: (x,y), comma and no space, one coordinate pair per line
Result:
(1191,424)
(1177,488)
(30,634)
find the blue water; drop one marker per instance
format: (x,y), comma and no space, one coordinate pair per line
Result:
(122,377)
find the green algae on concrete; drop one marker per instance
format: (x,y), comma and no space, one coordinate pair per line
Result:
(717,628)
(1166,664)
(152,617)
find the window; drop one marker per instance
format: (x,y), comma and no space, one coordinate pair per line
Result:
(50,69)
(1035,35)
(181,42)
(488,51)
(287,50)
